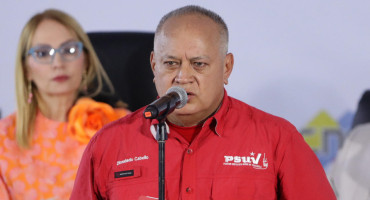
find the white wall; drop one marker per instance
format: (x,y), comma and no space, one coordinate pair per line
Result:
(292,58)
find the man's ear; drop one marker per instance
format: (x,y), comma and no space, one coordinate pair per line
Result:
(152,61)
(228,67)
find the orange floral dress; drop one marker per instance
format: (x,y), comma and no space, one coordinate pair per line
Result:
(47,170)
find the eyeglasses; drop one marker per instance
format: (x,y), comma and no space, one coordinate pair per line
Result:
(45,54)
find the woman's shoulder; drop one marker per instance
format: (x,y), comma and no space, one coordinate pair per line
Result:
(7,125)
(10,117)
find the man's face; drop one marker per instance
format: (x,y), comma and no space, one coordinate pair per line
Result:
(189,53)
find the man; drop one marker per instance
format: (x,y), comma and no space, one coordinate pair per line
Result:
(217,147)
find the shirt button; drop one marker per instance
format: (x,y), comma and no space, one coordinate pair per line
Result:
(189,190)
(189,151)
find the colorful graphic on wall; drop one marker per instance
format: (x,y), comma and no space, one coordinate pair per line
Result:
(325,135)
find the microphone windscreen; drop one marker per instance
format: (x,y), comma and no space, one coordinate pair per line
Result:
(182,94)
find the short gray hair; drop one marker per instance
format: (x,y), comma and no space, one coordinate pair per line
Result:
(192,9)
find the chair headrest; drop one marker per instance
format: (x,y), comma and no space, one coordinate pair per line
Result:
(125,57)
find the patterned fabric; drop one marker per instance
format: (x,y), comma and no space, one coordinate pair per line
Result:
(47,170)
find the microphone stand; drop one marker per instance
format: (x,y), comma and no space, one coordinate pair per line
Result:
(175,97)
(161,137)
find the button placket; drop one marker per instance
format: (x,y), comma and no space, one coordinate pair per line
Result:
(189,190)
(189,151)
(188,173)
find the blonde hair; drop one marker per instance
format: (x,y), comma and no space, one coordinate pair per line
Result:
(94,79)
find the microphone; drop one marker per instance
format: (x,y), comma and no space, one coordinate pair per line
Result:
(175,97)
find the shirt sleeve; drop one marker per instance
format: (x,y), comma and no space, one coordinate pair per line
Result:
(84,186)
(300,173)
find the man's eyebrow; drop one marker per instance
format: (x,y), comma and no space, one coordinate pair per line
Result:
(199,58)
(192,59)
(171,57)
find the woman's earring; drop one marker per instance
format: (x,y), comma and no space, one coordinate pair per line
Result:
(226,81)
(30,95)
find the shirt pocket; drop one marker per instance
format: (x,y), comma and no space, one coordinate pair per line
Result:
(243,188)
(128,182)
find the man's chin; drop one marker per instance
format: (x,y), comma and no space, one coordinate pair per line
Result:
(184,111)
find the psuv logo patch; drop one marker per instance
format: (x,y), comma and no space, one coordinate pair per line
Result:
(254,160)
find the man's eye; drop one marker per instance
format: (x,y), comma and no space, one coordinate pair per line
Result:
(170,63)
(199,64)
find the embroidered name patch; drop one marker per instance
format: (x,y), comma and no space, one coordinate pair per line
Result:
(126,173)
(136,158)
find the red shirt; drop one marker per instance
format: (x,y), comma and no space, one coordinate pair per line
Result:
(187,132)
(240,153)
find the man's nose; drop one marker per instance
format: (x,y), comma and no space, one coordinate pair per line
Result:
(185,73)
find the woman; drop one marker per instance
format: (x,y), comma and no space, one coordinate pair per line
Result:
(41,144)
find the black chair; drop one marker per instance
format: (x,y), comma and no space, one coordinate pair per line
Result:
(362,114)
(125,57)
